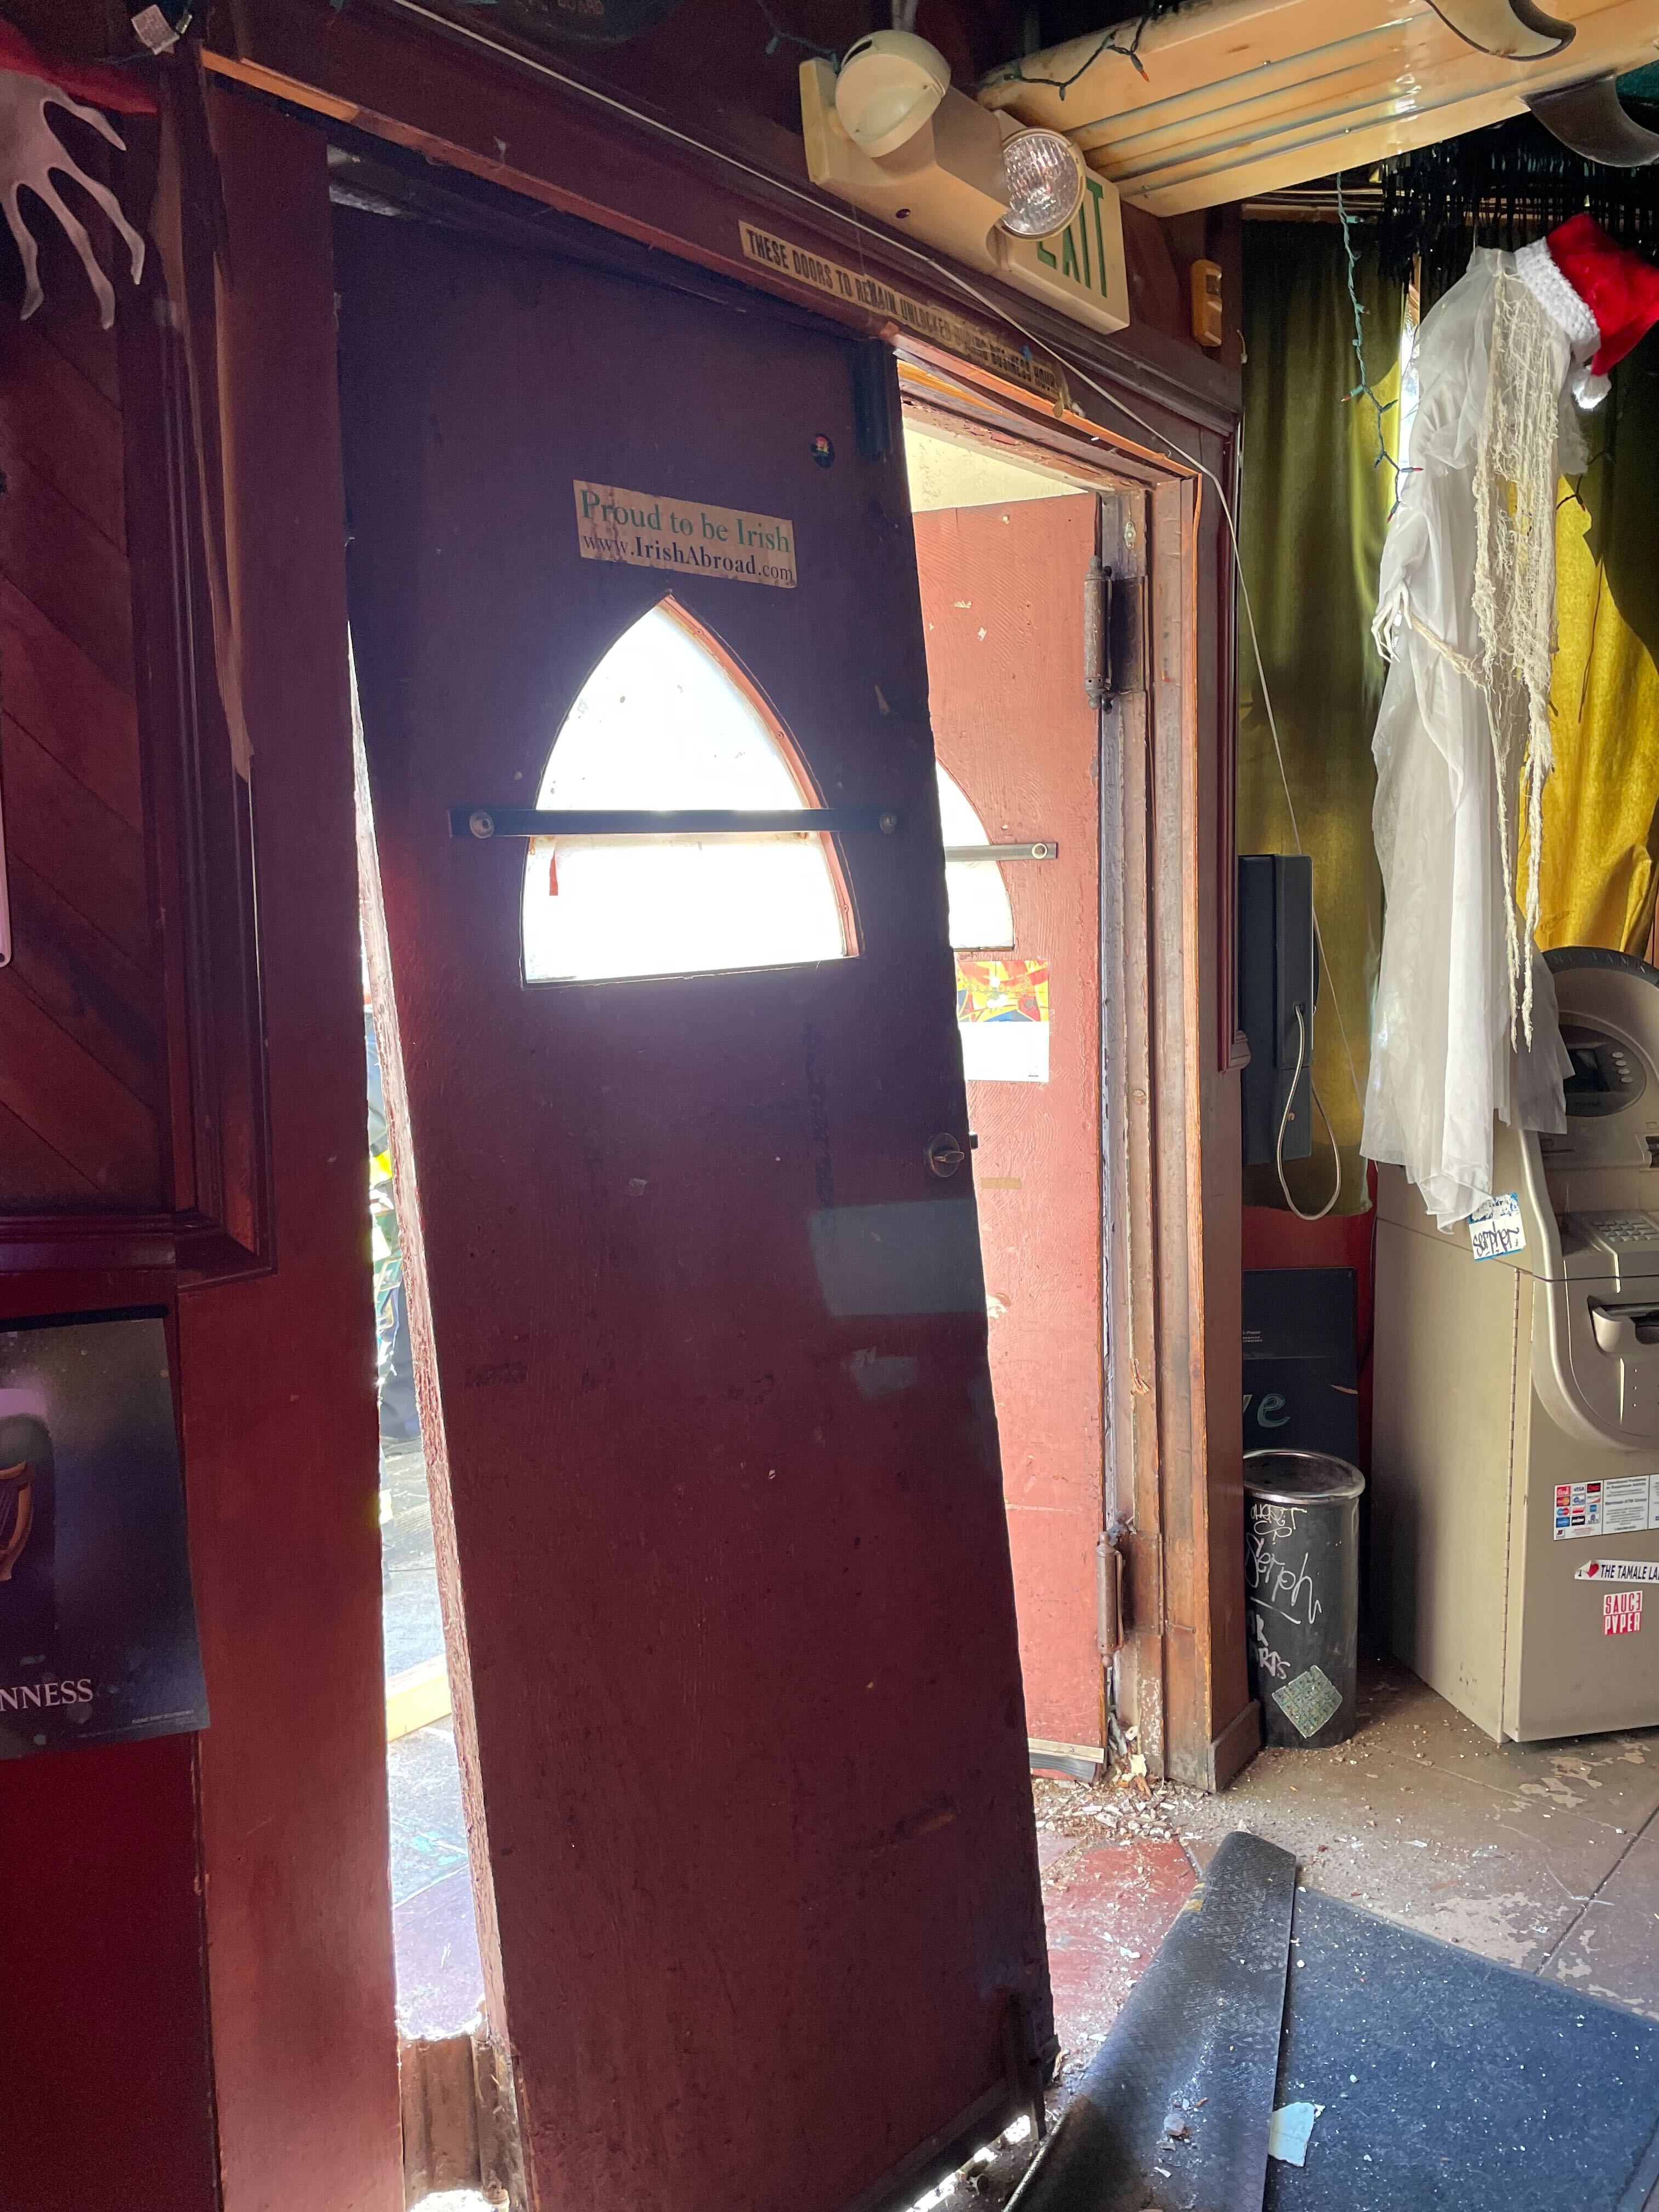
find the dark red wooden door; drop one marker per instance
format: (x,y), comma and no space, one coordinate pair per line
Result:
(710,1336)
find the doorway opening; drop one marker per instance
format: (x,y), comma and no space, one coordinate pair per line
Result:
(439,1971)
(1003,553)
(1038,768)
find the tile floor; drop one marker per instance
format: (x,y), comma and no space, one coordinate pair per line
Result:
(1545,1856)
(440,1979)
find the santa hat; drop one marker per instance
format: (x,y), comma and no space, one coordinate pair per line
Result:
(1605,297)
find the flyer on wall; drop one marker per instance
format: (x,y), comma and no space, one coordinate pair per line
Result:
(98,1639)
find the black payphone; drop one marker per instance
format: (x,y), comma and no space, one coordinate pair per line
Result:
(1278,988)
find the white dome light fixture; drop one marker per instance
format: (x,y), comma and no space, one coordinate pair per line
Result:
(887,87)
(1045,177)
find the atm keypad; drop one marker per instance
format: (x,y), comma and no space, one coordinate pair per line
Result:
(1624,1232)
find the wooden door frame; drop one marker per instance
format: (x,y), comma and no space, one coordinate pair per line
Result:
(593,173)
(1172,1611)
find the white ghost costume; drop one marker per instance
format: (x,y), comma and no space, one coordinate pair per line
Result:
(1464,1024)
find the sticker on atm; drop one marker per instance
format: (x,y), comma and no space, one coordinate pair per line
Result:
(1578,1509)
(1626,1503)
(1619,1570)
(1621,1613)
(1495,1229)
(1623,1505)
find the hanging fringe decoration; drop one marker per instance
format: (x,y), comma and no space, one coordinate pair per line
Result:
(1514,596)
(1503,187)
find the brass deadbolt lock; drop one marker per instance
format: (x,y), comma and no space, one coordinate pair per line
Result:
(945,1155)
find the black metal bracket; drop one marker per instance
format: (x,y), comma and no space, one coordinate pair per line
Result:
(487,822)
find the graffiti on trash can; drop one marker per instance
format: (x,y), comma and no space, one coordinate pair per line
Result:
(1283,1584)
(1272,1663)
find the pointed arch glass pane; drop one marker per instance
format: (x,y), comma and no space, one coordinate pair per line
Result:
(665,720)
(980,915)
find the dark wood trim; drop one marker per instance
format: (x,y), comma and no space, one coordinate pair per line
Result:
(379,175)
(200,813)
(198,831)
(73,1243)
(1237,1744)
(1233,1051)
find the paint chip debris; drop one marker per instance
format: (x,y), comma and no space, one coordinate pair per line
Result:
(1289,2130)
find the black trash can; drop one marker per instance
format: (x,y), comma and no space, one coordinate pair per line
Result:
(1302,1594)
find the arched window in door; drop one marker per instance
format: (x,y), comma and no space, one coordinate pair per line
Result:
(667,720)
(981,920)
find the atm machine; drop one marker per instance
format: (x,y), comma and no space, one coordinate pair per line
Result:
(1515,1489)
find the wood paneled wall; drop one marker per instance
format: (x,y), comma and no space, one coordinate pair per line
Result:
(196,1966)
(82,1067)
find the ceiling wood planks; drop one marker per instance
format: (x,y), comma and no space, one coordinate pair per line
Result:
(1239,97)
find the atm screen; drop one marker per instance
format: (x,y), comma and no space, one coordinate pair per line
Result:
(1588,1073)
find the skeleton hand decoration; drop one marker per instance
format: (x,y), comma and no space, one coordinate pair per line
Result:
(30,151)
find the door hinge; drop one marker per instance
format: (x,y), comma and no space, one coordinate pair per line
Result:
(1109,1595)
(1114,634)
(1096,625)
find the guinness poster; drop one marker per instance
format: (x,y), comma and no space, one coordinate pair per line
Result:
(97,1624)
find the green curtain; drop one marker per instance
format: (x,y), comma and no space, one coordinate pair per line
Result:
(1315,505)
(1598,868)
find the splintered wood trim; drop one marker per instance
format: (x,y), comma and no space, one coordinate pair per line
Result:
(438,2091)
(959,388)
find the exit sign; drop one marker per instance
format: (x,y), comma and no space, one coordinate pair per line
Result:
(1081,272)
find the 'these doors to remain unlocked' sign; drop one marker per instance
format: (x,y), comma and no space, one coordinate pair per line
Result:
(649,531)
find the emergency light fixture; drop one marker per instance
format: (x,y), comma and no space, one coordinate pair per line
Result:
(892,82)
(1045,177)
(886,89)
(887,131)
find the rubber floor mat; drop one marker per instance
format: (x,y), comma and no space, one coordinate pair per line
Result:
(1448,2081)
(1173,2112)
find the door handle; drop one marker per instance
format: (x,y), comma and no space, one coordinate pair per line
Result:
(943,1154)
